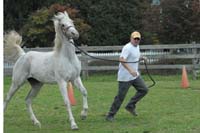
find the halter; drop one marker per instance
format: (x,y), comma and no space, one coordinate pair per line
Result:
(69,27)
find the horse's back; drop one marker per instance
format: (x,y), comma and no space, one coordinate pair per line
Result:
(36,59)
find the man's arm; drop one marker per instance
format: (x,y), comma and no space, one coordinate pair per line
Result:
(130,70)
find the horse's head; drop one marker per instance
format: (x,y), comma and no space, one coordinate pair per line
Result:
(65,26)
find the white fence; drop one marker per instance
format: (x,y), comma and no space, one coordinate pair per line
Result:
(172,56)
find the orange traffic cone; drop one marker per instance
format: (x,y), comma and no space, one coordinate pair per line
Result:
(71,94)
(184,82)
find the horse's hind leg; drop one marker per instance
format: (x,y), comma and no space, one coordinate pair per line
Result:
(78,83)
(36,85)
(16,84)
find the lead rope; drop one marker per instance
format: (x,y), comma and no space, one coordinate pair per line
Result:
(153,81)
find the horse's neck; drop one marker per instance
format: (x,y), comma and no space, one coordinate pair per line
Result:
(68,50)
(64,47)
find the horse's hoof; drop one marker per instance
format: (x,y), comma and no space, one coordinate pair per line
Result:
(74,127)
(83,115)
(37,123)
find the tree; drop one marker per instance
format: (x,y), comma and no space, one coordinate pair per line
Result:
(151,23)
(111,21)
(104,22)
(16,12)
(38,31)
(181,21)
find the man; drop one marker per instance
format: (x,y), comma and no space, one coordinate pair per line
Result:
(128,75)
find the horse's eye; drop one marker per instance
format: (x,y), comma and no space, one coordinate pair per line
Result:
(62,25)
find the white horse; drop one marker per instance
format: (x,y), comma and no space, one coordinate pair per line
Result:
(58,66)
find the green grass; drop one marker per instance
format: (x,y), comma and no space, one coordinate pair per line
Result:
(166,109)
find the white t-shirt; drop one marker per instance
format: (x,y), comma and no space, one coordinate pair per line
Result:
(131,54)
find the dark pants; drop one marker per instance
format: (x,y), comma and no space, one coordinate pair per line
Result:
(139,85)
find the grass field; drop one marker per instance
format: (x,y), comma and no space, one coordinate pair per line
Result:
(166,109)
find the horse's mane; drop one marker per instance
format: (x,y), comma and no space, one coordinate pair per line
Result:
(56,19)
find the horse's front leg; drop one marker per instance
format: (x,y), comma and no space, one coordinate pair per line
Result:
(78,83)
(62,85)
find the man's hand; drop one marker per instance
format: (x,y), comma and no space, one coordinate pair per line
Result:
(144,58)
(133,73)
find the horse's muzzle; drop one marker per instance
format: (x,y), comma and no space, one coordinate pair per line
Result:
(75,34)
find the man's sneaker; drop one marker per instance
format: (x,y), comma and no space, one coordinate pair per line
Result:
(109,118)
(132,111)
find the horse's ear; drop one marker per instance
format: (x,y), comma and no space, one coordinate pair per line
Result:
(66,14)
(56,17)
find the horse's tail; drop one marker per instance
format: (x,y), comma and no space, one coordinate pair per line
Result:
(12,46)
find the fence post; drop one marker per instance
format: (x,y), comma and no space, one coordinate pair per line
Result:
(194,62)
(84,64)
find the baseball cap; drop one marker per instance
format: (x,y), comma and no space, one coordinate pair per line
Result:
(136,34)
